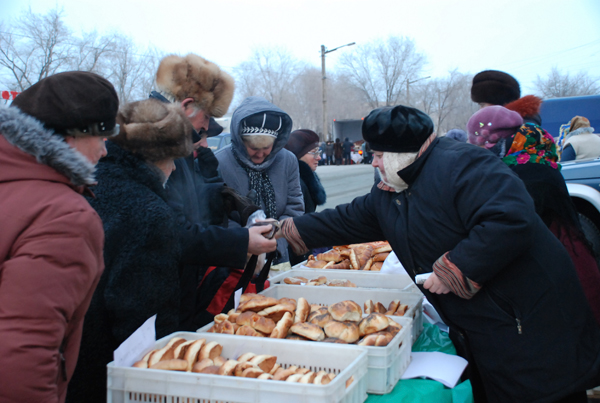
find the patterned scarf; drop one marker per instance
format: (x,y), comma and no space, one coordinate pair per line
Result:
(532,144)
(261,184)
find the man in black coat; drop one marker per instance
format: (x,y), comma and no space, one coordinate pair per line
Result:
(347,151)
(498,276)
(195,190)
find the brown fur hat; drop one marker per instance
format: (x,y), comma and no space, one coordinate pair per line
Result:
(494,87)
(154,130)
(194,77)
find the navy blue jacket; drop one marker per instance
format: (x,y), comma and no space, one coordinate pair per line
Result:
(529,328)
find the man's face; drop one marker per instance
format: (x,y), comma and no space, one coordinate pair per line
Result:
(197,117)
(203,141)
(92,147)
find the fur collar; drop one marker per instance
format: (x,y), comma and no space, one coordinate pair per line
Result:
(313,183)
(581,130)
(30,136)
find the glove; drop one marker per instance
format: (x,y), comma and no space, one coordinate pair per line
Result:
(237,207)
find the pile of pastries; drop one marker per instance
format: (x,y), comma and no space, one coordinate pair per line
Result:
(205,357)
(321,280)
(342,322)
(362,256)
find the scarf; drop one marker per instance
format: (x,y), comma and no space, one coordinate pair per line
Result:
(532,145)
(261,184)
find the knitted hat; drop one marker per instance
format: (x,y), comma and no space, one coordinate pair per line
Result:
(154,130)
(178,78)
(490,124)
(578,122)
(457,134)
(398,129)
(302,141)
(73,103)
(494,87)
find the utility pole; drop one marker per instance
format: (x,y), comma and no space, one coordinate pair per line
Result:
(326,136)
(408,83)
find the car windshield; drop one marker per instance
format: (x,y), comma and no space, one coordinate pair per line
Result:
(213,142)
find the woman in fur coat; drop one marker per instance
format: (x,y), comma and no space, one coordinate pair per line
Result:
(141,249)
(304,144)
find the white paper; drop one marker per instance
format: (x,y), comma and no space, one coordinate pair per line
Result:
(236,298)
(441,367)
(137,345)
(391,265)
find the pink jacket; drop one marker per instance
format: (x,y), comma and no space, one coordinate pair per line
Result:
(50,259)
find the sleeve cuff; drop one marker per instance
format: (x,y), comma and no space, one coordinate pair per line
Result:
(454,279)
(291,234)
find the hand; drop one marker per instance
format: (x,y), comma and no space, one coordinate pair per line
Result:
(435,285)
(257,243)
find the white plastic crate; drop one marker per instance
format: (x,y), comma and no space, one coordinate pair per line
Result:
(128,384)
(386,364)
(362,279)
(330,295)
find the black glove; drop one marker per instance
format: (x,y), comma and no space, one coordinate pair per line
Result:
(237,207)
(207,162)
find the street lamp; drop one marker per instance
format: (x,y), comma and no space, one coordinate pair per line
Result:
(408,83)
(324,51)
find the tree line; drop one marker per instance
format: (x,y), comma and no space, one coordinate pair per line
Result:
(383,72)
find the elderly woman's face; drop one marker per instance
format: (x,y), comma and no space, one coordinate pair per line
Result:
(312,158)
(378,163)
(258,155)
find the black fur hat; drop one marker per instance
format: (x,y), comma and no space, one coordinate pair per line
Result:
(398,129)
(154,130)
(494,87)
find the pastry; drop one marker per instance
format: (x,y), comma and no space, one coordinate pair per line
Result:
(283,326)
(373,323)
(345,310)
(308,330)
(302,310)
(347,332)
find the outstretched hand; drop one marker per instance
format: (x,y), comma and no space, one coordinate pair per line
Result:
(435,285)
(257,242)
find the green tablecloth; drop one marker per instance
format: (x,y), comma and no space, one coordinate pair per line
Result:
(425,390)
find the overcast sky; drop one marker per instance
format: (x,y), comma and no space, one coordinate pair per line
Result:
(522,37)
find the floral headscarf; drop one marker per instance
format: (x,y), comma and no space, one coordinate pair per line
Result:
(532,144)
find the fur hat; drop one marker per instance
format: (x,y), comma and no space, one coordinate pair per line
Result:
(302,141)
(399,129)
(457,134)
(492,123)
(73,103)
(494,87)
(154,130)
(578,122)
(178,78)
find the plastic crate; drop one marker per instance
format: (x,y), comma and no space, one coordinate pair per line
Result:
(362,279)
(385,364)
(330,295)
(128,384)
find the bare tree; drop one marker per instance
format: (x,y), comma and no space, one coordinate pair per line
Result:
(557,85)
(36,47)
(380,68)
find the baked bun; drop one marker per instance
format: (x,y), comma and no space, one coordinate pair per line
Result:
(294,378)
(401,310)
(393,307)
(394,327)
(322,378)
(380,257)
(210,350)
(309,377)
(321,320)
(214,370)
(171,365)
(265,376)
(338,282)
(375,322)
(283,375)
(262,324)
(221,317)
(252,372)
(295,280)
(247,297)
(257,304)
(180,350)
(378,339)
(320,311)
(233,316)
(246,357)
(246,318)
(360,255)
(330,256)
(302,310)
(228,369)
(368,265)
(296,337)
(376,266)
(333,340)
(369,306)
(379,308)
(347,332)
(343,265)
(308,330)
(345,310)
(241,367)
(191,355)
(248,331)
(264,362)
(282,327)
(276,312)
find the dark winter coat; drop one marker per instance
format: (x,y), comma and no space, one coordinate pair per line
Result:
(141,279)
(347,147)
(529,327)
(312,190)
(50,258)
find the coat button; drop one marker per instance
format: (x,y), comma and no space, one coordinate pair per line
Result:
(398,202)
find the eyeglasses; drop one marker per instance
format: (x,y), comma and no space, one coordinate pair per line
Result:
(315,153)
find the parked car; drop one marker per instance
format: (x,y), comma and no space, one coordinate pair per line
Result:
(217,142)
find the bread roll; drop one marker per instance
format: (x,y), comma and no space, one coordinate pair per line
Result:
(257,304)
(320,311)
(321,320)
(345,310)
(284,300)
(200,365)
(262,324)
(140,364)
(401,310)
(330,256)
(308,330)
(247,297)
(219,360)
(340,283)
(296,337)
(380,257)
(191,355)
(265,376)
(264,362)
(275,368)
(393,307)
(380,308)
(309,377)
(213,370)
(334,340)
(221,317)
(283,375)
(302,310)
(233,316)
(369,306)
(241,367)
(393,327)
(294,378)
(181,349)
(302,371)
(375,322)
(378,339)
(210,350)
(246,357)
(171,365)
(277,311)
(248,331)
(368,265)
(376,266)
(246,318)
(360,255)
(349,381)
(322,378)
(316,264)
(282,327)
(252,372)
(347,332)
(228,368)
(295,280)
(343,265)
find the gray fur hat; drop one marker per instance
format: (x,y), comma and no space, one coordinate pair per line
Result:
(154,130)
